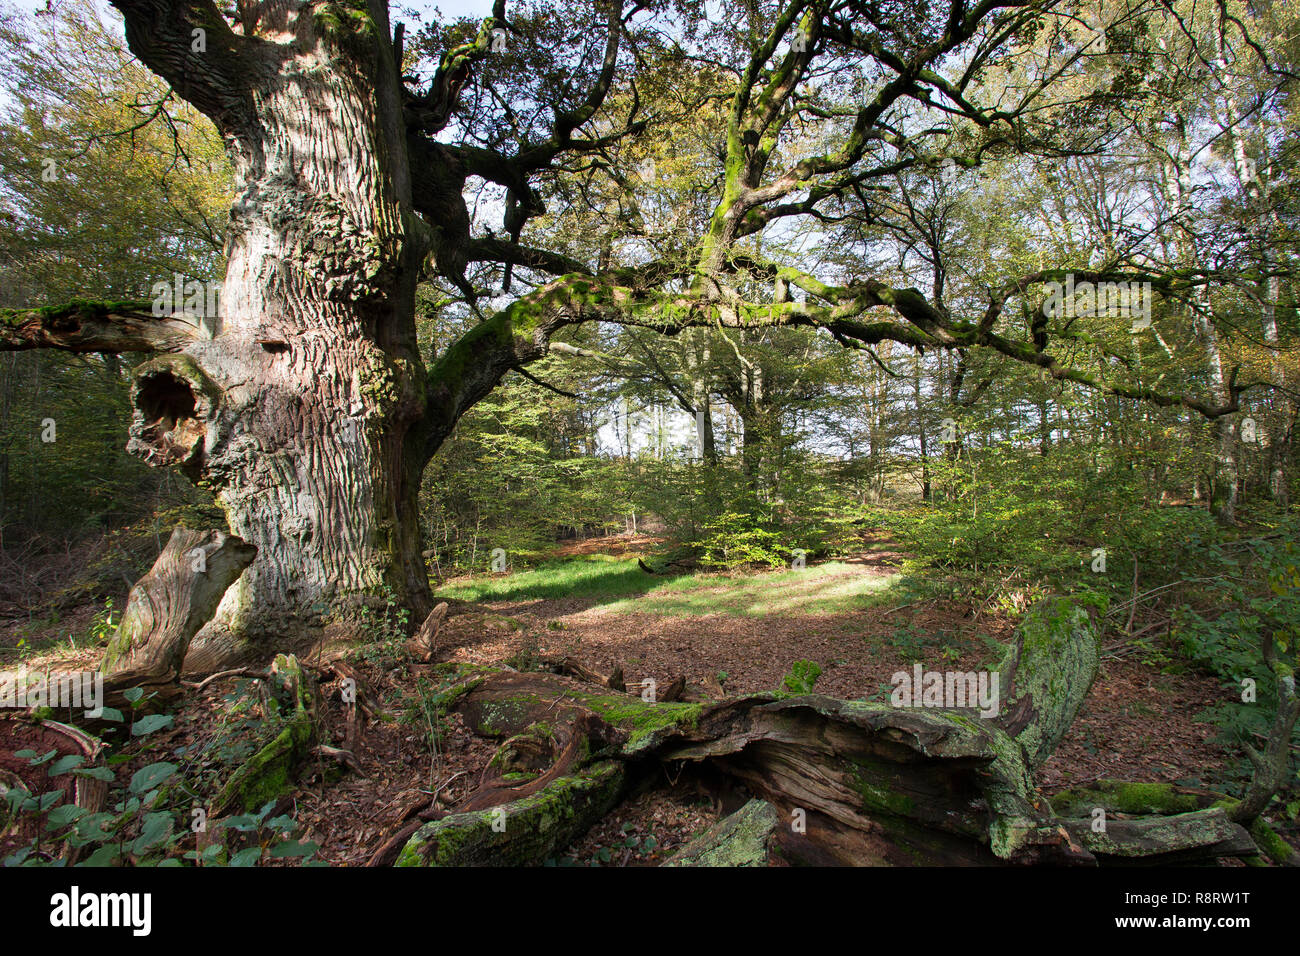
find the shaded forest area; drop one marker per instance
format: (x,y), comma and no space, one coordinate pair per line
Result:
(844,344)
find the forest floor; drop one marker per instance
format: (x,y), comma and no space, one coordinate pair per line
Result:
(855,617)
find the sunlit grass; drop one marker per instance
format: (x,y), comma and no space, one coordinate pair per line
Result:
(831,588)
(592,576)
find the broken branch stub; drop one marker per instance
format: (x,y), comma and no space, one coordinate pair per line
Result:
(1046,674)
(168,605)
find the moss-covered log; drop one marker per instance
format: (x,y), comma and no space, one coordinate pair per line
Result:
(1164,840)
(1046,674)
(268,774)
(1135,799)
(846,782)
(745,838)
(522,832)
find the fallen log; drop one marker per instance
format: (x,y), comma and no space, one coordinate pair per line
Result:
(1164,840)
(524,831)
(849,782)
(1046,674)
(268,774)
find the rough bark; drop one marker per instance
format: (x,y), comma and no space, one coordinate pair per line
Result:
(168,606)
(524,831)
(1165,840)
(1046,675)
(425,641)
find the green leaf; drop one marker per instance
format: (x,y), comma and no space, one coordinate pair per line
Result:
(62,816)
(147,778)
(105,856)
(157,827)
(66,763)
(112,715)
(96,773)
(294,848)
(248,857)
(150,723)
(132,694)
(92,827)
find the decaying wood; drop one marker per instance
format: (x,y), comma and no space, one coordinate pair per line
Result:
(88,793)
(425,641)
(575,668)
(677,690)
(167,607)
(847,782)
(1164,840)
(616,681)
(1046,674)
(745,838)
(268,774)
(523,831)
(674,691)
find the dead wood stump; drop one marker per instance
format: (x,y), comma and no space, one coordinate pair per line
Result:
(167,607)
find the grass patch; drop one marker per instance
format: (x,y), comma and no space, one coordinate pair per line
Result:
(599,576)
(831,588)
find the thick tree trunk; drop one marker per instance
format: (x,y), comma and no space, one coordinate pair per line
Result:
(302,408)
